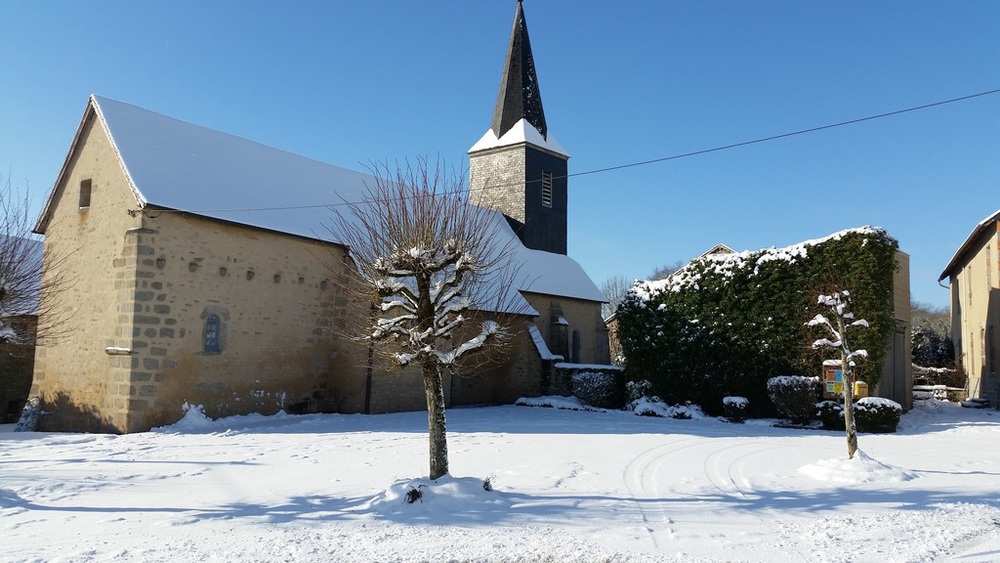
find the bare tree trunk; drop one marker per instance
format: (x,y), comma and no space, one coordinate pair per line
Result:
(436,426)
(852,434)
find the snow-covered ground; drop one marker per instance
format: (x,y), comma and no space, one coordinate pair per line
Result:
(567,486)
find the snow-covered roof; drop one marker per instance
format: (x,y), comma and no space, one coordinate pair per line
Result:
(521,132)
(725,263)
(178,165)
(976,232)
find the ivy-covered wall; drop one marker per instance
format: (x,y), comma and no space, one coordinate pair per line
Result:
(724,324)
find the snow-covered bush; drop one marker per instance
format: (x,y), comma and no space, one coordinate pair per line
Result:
(877,415)
(653,406)
(830,415)
(725,323)
(604,388)
(735,408)
(794,396)
(635,390)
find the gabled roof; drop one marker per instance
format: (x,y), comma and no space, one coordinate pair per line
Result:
(519,96)
(717,249)
(172,164)
(982,227)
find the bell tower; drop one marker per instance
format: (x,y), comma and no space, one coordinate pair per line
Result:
(517,167)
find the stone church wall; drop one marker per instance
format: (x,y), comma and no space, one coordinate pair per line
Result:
(563,320)
(240,320)
(92,249)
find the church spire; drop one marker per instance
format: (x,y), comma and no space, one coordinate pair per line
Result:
(519,96)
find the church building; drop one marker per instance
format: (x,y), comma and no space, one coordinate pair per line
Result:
(204,272)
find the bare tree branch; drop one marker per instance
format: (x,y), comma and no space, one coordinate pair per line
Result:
(439,274)
(24,291)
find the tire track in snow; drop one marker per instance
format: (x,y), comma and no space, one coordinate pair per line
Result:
(642,477)
(728,467)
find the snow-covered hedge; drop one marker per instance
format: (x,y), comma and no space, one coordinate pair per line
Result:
(794,396)
(723,324)
(830,414)
(598,385)
(877,415)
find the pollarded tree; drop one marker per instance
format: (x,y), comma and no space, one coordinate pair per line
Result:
(843,319)
(427,260)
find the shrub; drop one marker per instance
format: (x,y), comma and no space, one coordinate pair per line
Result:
(877,415)
(735,408)
(635,390)
(831,415)
(603,389)
(794,396)
(653,406)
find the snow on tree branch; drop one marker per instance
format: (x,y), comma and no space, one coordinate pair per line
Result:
(428,261)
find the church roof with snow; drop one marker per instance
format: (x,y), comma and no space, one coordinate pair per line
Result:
(173,164)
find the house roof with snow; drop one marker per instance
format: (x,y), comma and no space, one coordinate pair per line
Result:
(959,256)
(172,164)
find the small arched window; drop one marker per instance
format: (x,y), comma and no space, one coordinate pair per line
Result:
(212,333)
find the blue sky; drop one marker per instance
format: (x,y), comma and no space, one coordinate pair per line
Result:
(354,82)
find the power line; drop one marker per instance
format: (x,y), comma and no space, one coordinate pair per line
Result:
(785,135)
(653,160)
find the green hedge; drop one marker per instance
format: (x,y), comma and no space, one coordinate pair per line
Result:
(724,324)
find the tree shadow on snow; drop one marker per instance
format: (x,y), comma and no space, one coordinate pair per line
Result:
(507,507)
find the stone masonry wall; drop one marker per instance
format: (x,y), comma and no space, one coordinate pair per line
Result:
(496,181)
(91,251)
(583,316)
(280,313)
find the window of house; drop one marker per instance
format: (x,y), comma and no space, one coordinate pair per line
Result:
(85,187)
(547,189)
(212,333)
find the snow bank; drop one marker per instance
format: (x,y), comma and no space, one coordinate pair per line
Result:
(441,497)
(860,469)
(556,401)
(194,419)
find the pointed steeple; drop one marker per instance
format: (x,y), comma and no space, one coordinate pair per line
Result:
(519,95)
(517,167)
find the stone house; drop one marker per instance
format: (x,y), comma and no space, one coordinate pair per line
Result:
(205,272)
(973,275)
